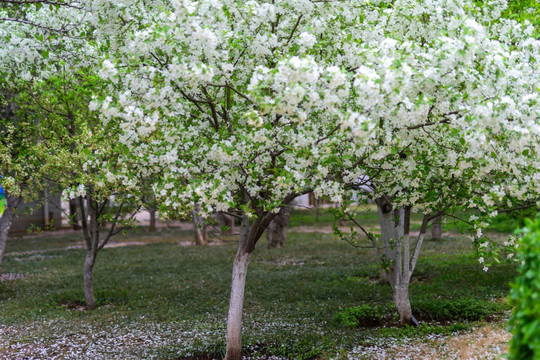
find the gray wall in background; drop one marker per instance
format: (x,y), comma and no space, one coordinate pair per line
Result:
(38,213)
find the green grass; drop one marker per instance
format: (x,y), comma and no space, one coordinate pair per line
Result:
(179,295)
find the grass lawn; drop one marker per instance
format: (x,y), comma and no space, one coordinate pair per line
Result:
(314,299)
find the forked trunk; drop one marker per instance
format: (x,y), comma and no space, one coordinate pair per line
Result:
(249,235)
(88,281)
(395,250)
(277,230)
(5,225)
(201,235)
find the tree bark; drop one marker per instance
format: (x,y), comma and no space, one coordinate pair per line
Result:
(396,251)
(234,320)
(249,235)
(201,233)
(436,228)
(88,280)
(73,215)
(152,227)
(5,224)
(90,228)
(403,304)
(277,230)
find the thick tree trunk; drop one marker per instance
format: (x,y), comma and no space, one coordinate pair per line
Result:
(225,223)
(436,228)
(5,224)
(88,281)
(277,230)
(152,226)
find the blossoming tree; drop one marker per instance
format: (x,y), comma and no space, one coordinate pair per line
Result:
(63,141)
(430,103)
(20,163)
(451,123)
(248,104)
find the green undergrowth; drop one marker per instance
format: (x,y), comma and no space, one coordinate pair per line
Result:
(441,311)
(297,306)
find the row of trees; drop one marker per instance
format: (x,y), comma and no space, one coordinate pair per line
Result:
(239,107)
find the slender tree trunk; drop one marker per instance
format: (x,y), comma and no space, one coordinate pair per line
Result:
(396,248)
(152,212)
(5,224)
(234,320)
(201,234)
(277,230)
(436,228)
(73,215)
(90,229)
(249,235)
(88,281)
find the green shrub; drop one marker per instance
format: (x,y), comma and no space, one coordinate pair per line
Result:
(364,315)
(455,310)
(458,310)
(525,296)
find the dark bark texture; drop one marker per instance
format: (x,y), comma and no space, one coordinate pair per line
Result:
(436,229)
(277,230)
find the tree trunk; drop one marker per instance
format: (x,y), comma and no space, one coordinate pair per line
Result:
(249,235)
(395,238)
(277,230)
(152,212)
(5,224)
(88,283)
(234,320)
(403,304)
(225,223)
(73,215)
(436,228)
(201,235)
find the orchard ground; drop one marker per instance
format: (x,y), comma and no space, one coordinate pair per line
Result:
(318,298)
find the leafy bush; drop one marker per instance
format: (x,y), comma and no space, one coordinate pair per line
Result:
(525,296)
(459,310)
(364,315)
(455,310)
